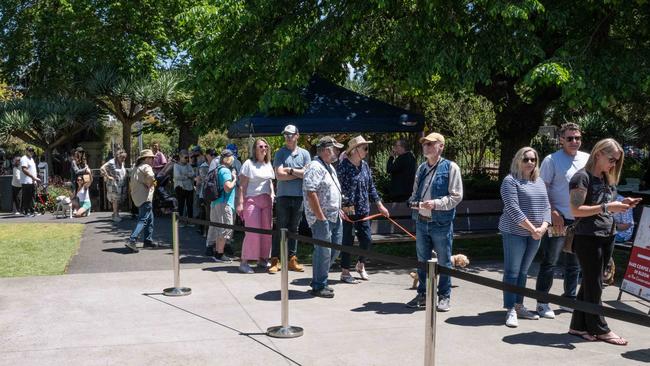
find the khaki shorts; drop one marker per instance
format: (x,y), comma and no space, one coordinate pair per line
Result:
(221,213)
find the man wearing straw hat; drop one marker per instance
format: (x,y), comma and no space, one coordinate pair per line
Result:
(142,187)
(437,190)
(358,191)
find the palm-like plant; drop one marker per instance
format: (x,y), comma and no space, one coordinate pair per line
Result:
(596,126)
(131,99)
(47,123)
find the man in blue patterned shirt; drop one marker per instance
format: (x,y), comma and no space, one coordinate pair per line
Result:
(358,191)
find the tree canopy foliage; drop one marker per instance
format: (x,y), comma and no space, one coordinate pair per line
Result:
(521,56)
(53,45)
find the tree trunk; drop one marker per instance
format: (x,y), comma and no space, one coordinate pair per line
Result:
(187,137)
(126,141)
(517,122)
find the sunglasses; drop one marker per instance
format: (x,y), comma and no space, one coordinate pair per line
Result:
(364,148)
(289,135)
(262,146)
(529,160)
(573,138)
(612,160)
(428,143)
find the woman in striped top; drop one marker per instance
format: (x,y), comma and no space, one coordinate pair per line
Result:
(526,215)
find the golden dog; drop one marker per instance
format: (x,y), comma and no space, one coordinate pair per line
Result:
(458,260)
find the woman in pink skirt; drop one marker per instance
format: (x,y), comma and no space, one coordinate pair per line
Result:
(255,204)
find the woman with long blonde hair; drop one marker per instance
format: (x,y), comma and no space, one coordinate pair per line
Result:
(255,204)
(526,216)
(592,193)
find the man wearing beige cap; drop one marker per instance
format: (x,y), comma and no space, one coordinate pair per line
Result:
(322,201)
(437,190)
(142,186)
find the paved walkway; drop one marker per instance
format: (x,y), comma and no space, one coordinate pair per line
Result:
(120,317)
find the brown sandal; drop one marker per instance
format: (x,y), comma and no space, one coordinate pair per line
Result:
(612,338)
(584,335)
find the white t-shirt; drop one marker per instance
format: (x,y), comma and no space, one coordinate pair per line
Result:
(556,171)
(82,194)
(43,172)
(17,177)
(259,176)
(31,167)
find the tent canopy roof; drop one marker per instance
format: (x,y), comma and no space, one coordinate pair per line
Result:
(332,109)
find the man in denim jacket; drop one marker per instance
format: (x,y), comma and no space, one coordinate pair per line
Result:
(437,190)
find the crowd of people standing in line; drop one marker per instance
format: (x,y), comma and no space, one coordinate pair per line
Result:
(570,189)
(334,191)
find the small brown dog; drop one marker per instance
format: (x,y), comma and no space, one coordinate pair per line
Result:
(458,260)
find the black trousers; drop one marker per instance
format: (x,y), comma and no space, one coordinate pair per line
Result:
(593,254)
(15,198)
(28,198)
(185,202)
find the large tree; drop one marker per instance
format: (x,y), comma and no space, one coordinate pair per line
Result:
(132,99)
(522,56)
(55,45)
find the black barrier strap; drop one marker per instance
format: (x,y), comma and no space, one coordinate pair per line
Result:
(626,316)
(226,226)
(587,307)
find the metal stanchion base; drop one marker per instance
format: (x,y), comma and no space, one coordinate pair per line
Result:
(282,332)
(177,291)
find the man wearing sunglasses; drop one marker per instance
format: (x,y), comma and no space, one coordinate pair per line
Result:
(289,164)
(556,171)
(437,190)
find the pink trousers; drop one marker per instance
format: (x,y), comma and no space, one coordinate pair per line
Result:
(257,214)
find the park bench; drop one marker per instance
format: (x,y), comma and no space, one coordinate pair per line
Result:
(474,219)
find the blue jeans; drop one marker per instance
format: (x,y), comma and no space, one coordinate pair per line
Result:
(288,211)
(362,230)
(145,223)
(518,254)
(323,257)
(434,236)
(551,250)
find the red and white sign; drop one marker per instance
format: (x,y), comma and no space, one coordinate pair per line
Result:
(637,275)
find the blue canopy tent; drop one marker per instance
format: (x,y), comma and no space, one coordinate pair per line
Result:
(332,109)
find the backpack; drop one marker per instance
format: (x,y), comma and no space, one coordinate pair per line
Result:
(212,190)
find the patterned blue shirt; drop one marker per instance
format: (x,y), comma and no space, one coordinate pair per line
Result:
(357,186)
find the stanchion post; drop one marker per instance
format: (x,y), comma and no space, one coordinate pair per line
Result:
(430,326)
(284,330)
(177,290)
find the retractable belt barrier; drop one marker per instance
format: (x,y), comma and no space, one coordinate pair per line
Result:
(622,315)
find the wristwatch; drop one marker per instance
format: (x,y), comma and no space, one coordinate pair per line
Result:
(604,207)
(291,171)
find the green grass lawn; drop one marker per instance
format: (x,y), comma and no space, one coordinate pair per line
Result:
(37,249)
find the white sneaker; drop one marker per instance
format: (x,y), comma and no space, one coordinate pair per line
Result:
(117,219)
(524,313)
(444,304)
(17,213)
(511,318)
(569,310)
(545,311)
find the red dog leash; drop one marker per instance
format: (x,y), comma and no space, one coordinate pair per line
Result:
(346,218)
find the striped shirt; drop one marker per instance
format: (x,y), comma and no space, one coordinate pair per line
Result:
(523,199)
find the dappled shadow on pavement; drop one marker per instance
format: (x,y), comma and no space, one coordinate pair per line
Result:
(275,295)
(121,250)
(641,355)
(490,318)
(196,259)
(385,308)
(229,269)
(554,340)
